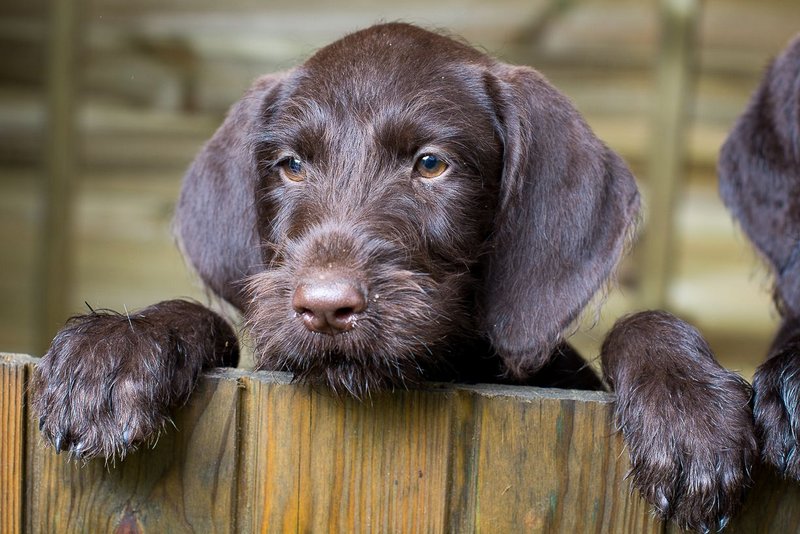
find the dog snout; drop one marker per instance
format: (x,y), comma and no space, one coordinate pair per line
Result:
(329,301)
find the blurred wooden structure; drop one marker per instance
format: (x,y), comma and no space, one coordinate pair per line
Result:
(54,258)
(156,76)
(253,453)
(675,70)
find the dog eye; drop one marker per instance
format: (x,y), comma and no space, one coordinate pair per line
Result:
(430,166)
(293,169)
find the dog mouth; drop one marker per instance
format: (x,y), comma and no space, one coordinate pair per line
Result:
(368,357)
(342,374)
(390,344)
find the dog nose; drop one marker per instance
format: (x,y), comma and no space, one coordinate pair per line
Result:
(329,302)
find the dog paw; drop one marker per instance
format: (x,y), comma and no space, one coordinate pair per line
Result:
(107,384)
(777,411)
(692,446)
(685,420)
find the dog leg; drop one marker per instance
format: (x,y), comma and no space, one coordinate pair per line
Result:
(777,402)
(109,381)
(686,421)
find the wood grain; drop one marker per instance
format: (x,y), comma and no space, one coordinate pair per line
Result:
(14,371)
(186,483)
(253,452)
(274,427)
(549,462)
(379,465)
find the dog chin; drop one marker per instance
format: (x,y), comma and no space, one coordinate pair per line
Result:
(345,375)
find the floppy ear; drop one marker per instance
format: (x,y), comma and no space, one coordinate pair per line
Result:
(759,173)
(567,205)
(215,218)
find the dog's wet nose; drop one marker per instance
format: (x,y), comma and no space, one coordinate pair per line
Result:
(329,302)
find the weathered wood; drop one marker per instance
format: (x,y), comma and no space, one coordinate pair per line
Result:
(187,483)
(277,415)
(768,509)
(13,382)
(252,452)
(335,464)
(378,465)
(542,458)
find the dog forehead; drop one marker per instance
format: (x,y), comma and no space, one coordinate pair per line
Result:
(396,58)
(394,88)
(391,42)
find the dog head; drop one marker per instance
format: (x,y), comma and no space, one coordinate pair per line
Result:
(759,173)
(400,194)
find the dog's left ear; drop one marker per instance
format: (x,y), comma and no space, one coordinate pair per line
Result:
(567,204)
(759,173)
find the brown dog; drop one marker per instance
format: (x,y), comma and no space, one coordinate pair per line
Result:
(759,172)
(402,208)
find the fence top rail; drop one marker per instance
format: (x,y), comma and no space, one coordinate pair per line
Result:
(488,390)
(253,451)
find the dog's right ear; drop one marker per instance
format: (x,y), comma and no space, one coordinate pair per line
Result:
(215,219)
(759,173)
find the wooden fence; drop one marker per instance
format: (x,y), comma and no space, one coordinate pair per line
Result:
(253,452)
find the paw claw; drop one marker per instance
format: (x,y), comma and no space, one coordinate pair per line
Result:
(661,503)
(78,448)
(126,437)
(59,443)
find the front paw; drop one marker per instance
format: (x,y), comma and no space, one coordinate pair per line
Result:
(107,383)
(777,411)
(692,447)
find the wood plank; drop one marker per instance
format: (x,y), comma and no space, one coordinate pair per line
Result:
(767,509)
(14,372)
(543,455)
(463,462)
(276,418)
(187,483)
(379,465)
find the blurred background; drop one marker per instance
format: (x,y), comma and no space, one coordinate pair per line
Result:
(104,103)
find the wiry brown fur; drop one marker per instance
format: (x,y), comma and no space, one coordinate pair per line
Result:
(759,172)
(109,381)
(686,421)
